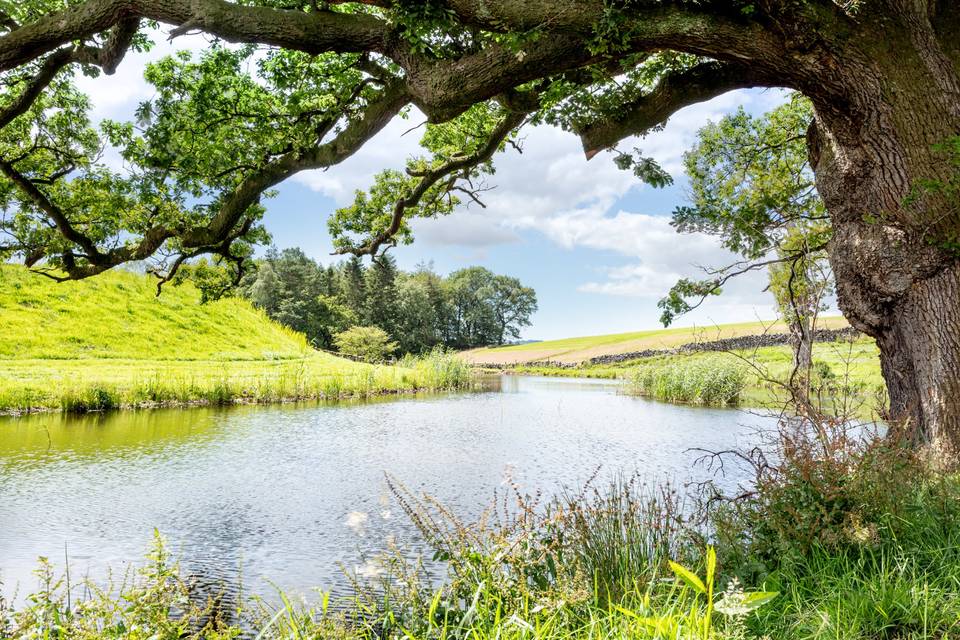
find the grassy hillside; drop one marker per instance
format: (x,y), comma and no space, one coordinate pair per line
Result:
(119,315)
(110,342)
(572,350)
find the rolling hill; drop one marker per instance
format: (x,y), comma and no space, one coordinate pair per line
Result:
(110,342)
(575,350)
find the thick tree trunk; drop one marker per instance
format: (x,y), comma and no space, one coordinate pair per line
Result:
(920,356)
(898,279)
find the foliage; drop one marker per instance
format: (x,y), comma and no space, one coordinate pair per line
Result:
(155,603)
(715,381)
(487,308)
(751,187)
(298,293)
(369,344)
(858,530)
(369,222)
(419,310)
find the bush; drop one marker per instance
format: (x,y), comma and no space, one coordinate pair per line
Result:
(369,344)
(857,529)
(439,369)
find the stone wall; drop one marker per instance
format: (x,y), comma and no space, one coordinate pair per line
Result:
(726,344)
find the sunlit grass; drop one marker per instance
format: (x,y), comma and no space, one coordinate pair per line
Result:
(110,342)
(656,338)
(853,366)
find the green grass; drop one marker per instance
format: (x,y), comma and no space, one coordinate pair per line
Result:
(582,348)
(110,342)
(853,368)
(117,315)
(712,381)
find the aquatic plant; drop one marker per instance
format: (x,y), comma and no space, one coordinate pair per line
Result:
(714,381)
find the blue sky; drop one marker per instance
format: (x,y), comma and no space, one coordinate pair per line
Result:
(592,240)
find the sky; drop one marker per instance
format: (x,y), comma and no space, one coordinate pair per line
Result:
(592,240)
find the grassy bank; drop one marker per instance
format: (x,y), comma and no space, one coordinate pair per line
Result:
(110,342)
(748,377)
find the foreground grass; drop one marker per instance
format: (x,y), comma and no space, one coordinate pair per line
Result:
(110,342)
(623,562)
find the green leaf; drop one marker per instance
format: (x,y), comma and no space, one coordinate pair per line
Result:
(711,564)
(688,577)
(758,599)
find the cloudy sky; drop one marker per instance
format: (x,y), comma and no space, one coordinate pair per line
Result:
(593,241)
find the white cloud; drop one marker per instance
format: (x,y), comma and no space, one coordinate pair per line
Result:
(659,255)
(116,96)
(466,229)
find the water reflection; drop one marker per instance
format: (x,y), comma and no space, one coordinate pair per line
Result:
(291,493)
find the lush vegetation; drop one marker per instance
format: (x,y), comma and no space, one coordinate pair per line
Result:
(842,535)
(111,342)
(713,380)
(369,344)
(752,187)
(847,371)
(419,311)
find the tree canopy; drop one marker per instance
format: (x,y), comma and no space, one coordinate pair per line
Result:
(416,311)
(305,86)
(292,85)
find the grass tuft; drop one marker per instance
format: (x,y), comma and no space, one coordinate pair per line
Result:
(715,381)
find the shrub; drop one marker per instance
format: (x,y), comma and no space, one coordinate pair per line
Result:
(91,398)
(369,344)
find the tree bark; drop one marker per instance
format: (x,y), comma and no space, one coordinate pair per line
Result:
(801,339)
(897,278)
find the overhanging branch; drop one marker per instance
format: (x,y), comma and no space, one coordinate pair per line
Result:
(673,92)
(428,179)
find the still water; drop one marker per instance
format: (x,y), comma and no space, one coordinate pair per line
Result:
(295,494)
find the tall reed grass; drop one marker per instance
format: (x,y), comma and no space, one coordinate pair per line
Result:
(715,381)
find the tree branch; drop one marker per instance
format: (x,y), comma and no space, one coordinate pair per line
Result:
(316,32)
(433,176)
(674,91)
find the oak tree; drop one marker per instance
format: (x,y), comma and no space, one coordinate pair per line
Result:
(883,77)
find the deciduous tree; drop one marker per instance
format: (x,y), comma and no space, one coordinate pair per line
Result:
(883,77)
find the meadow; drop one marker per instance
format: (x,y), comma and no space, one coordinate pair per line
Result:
(111,342)
(580,349)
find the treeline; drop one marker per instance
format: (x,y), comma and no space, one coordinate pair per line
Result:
(417,310)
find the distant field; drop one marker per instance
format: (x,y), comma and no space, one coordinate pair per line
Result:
(111,342)
(573,350)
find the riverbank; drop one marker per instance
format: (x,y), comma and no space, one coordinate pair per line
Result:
(110,343)
(843,367)
(78,386)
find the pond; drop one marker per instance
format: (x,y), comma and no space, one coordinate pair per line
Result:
(291,494)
